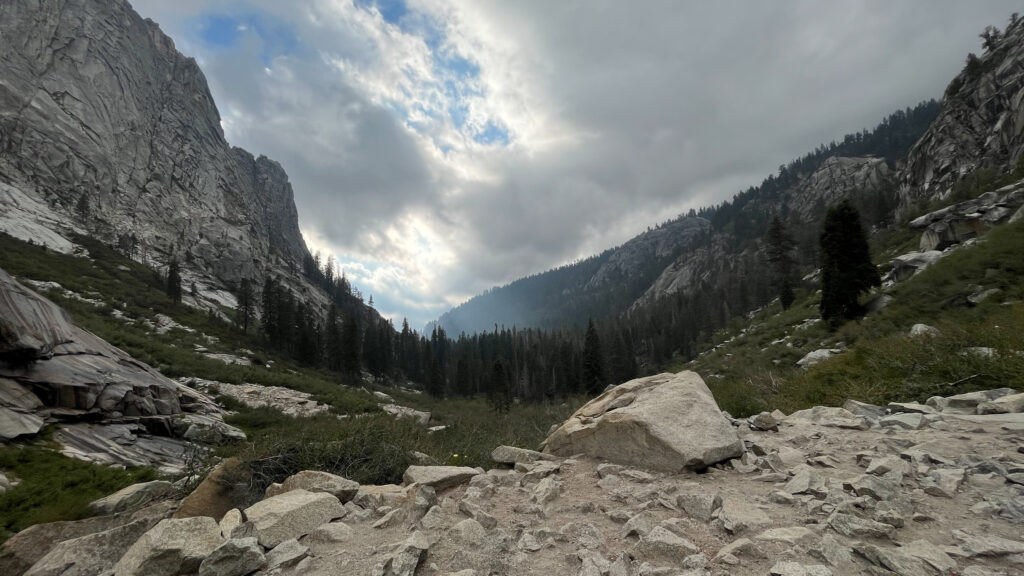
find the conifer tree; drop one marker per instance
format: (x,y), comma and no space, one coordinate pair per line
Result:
(350,346)
(846,267)
(500,394)
(174,280)
(593,361)
(780,255)
(245,311)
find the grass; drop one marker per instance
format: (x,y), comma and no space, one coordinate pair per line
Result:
(749,374)
(376,448)
(54,487)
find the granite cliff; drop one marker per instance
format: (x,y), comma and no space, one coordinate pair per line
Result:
(106,129)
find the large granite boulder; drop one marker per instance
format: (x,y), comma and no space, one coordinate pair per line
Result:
(666,422)
(91,554)
(317,481)
(172,547)
(292,515)
(130,497)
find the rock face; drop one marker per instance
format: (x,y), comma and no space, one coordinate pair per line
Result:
(97,103)
(111,408)
(981,123)
(963,221)
(666,422)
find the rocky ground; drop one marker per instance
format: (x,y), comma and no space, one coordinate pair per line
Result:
(908,489)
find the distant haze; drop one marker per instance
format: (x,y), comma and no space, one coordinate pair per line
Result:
(439,147)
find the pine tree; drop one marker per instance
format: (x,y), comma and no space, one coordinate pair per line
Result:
(846,267)
(593,361)
(332,348)
(350,346)
(780,255)
(245,311)
(500,394)
(174,280)
(435,380)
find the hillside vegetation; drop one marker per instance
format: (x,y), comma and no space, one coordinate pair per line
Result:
(753,367)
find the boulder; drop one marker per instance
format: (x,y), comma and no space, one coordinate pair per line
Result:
(372,496)
(292,515)
(234,558)
(513,455)
(212,497)
(29,546)
(406,412)
(315,481)
(132,496)
(666,422)
(328,539)
(172,547)
(14,423)
(31,326)
(815,356)
(438,477)
(286,554)
(1012,403)
(90,554)
(919,330)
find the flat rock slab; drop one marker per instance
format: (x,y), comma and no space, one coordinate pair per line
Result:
(292,515)
(438,477)
(315,481)
(131,497)
(667,422)
(514,455)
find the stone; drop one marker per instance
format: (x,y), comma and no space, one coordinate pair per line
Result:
(831,551)
(231,520)
(893,559)
(640,524)
(931,555)
(884,465)
(873,486)
(391,519)
(212,497)
(863,409)
(792,535)
(661,545)
(906,421)
(740,547)
(90,554)
(397,411)
(315,481)
(855,527)
(14,423)
(817,356)
(831,416)
(943,482)
(469,531)
(329,539)
(407,558)
(174,546)
(699,505)
(672,424)
(787,568)
(987,545)
(546,490)
(513,455)
(919,330)
(129,497)
(738,516)
(292,515)
(234,558)
(372,497)
(438,477)
(477,513)
(763,421)
(286,554)
(1009,404)
(911,407)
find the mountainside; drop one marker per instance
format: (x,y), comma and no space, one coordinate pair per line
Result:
(981,124)
(106,129)
(711,249)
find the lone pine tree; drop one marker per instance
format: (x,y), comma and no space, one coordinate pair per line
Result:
(846,267)
(780,255)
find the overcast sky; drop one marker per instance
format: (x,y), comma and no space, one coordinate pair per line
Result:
(440,147)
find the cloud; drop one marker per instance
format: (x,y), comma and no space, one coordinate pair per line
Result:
(439,147)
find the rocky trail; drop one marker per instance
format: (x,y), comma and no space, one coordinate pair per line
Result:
(908,489)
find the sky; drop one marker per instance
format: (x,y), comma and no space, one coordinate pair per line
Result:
(441,147)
